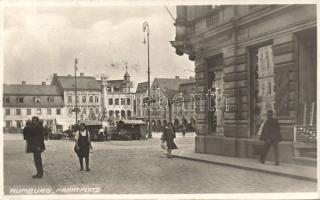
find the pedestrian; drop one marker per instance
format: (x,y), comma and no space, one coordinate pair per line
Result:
(26,135)
(168,136)
(184,127)
(82,145)
(270,134)
(36,143)
(46,132)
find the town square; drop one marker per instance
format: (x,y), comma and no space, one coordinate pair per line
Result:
(159,98)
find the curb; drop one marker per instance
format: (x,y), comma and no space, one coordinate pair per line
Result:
(249,168)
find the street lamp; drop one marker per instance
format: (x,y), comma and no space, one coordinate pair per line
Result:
(146,29)
(75,88)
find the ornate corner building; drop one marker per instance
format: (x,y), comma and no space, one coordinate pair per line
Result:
(254,58)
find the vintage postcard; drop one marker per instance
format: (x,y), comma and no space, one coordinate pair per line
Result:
(159,99)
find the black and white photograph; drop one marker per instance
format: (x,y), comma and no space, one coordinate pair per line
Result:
(159,99)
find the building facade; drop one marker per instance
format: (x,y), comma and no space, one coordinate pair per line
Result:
(22,102)
(118,100)
(88,98)
(168,101)
(139,108)
(256,58)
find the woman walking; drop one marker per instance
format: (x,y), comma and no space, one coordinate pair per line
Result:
(168,136)
(83,143)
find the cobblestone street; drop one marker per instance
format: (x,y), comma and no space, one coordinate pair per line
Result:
(135,167)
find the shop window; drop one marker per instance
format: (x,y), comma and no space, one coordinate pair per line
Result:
(19,123)
(8,124)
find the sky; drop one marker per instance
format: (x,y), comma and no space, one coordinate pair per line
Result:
(40,41)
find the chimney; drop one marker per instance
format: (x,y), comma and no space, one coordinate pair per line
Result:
(177,77)
(23,83)
(55,74)
(43,83)
(81,74)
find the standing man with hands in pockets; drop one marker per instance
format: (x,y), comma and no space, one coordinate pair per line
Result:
(270,134)
(35,140)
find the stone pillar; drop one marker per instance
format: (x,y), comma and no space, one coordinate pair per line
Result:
(236,91)
(201,89)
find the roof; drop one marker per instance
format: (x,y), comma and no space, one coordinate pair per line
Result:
(31,90)
(83,83)
(132,121)
(142,87)
(170,83)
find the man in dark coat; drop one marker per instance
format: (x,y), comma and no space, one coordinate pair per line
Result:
(36,142)
(270,134)
(26,135)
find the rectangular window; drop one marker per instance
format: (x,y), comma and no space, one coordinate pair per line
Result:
(39,111)
(20,99)
(109,89)
(91,99)
(128,101)
(8,124)
(77,99)
(97,110)
(116,89)
(96,99)
(70,111)
(18,111)
(84,111)
(8,111)
(69,99)
(58,111)
(50,99)
(49,111)
(116,101)
(7,99)
(110,101)
(28,111)
(123,101)
(84,99)
(19,123)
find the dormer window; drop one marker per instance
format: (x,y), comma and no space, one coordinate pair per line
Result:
(36,99)
(20,99)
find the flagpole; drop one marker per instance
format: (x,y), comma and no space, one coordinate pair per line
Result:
(75,87)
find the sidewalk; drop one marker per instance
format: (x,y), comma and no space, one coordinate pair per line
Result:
(288,170)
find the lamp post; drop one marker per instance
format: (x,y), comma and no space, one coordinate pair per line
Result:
(146,29)
(75,88)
